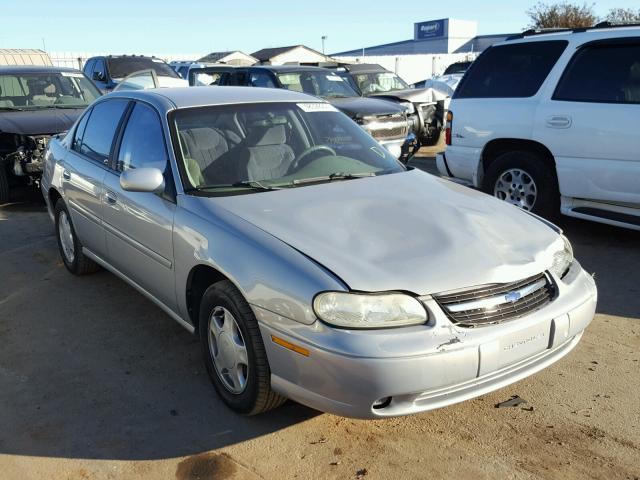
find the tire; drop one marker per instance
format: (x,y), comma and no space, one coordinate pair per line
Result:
(4,184)
(77,263)
(222,304)
(533,170)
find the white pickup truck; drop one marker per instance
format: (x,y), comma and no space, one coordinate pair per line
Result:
(551,120)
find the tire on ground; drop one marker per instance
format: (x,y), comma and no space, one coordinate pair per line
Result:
(81,264)
(547,203)
(257,396)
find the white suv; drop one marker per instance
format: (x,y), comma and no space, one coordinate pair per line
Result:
(549,120)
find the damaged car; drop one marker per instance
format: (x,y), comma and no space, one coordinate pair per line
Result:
(36,102)
(299,251)
(425,107)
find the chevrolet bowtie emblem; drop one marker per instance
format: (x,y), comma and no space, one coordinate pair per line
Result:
(512,297)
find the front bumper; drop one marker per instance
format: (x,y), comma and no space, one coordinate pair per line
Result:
(421,368)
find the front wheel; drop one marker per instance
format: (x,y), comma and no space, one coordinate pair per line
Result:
(233,351)
(524,179)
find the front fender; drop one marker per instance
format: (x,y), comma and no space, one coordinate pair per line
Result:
(270,274)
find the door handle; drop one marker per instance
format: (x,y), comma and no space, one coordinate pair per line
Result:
(558,121)
(66,174)
(111,198)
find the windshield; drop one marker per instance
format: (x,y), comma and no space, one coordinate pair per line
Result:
(379,82)
(245,148)
(22,91)
(317,83)
(120,67)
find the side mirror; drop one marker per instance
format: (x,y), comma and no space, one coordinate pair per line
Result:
(142,180)
(99,76)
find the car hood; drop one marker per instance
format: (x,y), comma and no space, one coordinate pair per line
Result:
(358,107)
(38,122)
(413,95)
(407,231)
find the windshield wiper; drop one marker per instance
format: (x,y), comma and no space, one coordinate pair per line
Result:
(9,109)
(253,184)
(67,105)
(331,177)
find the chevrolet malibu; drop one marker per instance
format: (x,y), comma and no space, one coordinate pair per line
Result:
(311,264)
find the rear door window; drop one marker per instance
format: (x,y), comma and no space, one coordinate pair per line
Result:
(88,67)
(100,67)
(101,128)
(602,74)
(511,71)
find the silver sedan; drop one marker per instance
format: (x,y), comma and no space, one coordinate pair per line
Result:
(311,264)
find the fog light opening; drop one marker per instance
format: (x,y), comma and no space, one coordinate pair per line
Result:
(382,403)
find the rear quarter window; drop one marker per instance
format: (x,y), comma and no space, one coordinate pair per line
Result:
(511,71)
(602,74)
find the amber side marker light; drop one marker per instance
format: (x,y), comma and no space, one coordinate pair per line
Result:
(289,345)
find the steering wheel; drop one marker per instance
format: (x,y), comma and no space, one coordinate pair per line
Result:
(297,163)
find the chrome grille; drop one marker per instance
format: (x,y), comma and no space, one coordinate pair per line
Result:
(496,303)
(390,127)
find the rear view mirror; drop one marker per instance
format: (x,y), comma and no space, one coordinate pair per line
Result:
(142,180)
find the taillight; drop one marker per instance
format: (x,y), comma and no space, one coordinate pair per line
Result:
(449,124)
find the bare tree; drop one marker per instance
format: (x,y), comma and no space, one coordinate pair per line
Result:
(623,15)
(561,15)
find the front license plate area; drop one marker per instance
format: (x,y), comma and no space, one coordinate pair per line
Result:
(523,343)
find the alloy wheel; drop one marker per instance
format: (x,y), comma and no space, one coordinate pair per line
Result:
(228,350)
(66,237)
(517,187)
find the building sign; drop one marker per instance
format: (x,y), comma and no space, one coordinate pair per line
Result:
(432,29)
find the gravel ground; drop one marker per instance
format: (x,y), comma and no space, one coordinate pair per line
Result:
(96,382)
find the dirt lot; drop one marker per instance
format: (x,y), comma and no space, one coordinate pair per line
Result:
(96,382)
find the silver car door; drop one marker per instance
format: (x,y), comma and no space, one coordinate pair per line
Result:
(84,168)
(139,225)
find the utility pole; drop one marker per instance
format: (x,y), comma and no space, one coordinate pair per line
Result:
(44,46)
(324,37)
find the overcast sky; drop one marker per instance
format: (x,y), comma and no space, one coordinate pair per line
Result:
(196,26)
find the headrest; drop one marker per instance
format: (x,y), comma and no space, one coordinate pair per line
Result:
(37,86)
(205,138)
(261,136)
(50,89)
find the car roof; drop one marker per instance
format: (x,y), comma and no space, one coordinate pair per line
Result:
(185,97)
(575,36)
(35,69)
(290,68)
(364,68)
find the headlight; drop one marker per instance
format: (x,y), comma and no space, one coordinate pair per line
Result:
(563,258)
(408,107)
(384,310)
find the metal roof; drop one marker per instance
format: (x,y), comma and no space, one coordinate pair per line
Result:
(35,69)
(268,53)
(185,97)
(217,56)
